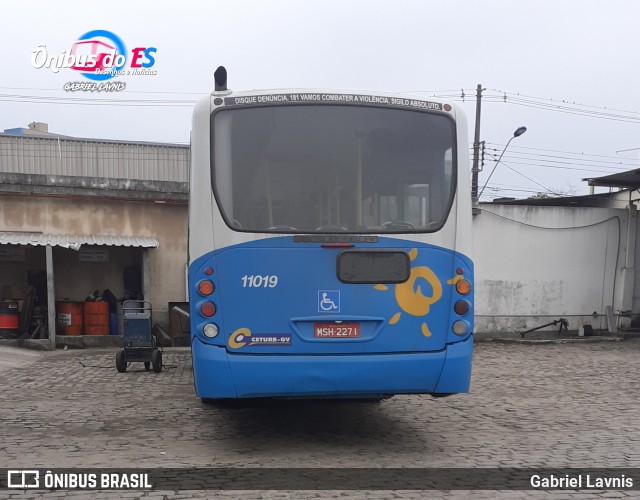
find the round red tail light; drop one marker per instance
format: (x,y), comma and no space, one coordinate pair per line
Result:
(461,307)
(208,309)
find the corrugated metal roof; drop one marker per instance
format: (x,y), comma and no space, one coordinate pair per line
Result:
(629,179)
(75,242)
(80,158)
(588,200)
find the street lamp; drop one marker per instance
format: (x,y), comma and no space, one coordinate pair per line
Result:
(519,131)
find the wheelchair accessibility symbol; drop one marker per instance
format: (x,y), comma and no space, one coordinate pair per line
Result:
(328,300)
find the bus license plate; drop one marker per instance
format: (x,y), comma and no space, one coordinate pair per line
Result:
(336,330)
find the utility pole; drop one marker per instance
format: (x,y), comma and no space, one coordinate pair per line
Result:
(476,151)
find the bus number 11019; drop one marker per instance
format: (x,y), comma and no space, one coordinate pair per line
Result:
(258,281)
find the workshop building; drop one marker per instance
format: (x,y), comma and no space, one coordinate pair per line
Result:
(81,217)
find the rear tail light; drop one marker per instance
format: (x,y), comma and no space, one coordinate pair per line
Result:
(208,309)
(206,287)
(461,307)
(463,287)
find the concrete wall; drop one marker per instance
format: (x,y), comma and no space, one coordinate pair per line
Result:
(84,216)
(537,264)
(636,279)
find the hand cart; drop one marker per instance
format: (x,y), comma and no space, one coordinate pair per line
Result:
(138,343)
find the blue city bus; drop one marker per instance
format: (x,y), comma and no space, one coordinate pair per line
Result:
(329,245)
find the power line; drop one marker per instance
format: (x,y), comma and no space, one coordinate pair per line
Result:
(566,107)
(496,188)
(559,167)
(84,101)
(122,91)
(555,151)
(528,178)
(454,92)
(621,119)
(562,161)
(563,101)
(102,99)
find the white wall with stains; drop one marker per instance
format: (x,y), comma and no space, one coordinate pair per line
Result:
(535,264)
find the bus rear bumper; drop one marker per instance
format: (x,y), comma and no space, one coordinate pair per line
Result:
(218,374)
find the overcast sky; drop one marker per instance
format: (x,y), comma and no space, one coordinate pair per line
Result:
(582,52)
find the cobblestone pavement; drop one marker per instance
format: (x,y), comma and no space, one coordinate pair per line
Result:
(559,405)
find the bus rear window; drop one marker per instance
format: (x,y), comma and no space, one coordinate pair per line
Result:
(333,168)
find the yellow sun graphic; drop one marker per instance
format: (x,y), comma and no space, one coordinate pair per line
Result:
(410,298)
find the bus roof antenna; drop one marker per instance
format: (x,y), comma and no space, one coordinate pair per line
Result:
(220,78)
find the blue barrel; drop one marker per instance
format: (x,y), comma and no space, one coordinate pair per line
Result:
(113,324)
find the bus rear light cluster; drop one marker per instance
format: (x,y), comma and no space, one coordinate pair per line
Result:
(208,309)
(206,287)
(462,306)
